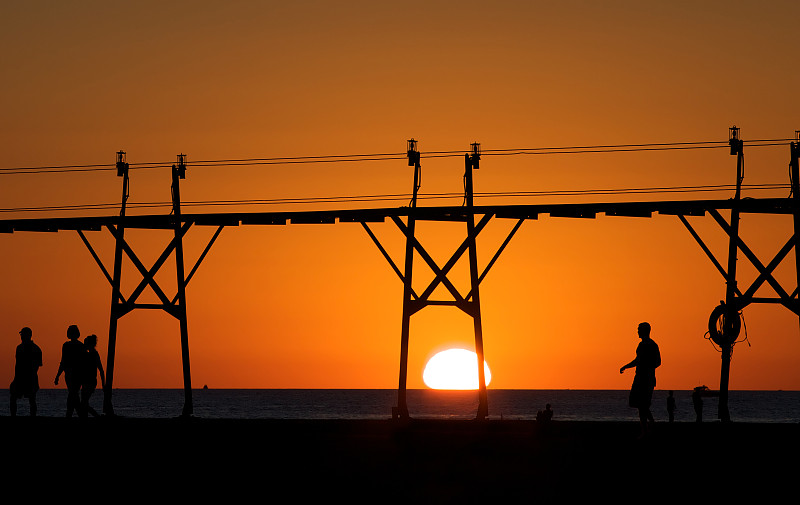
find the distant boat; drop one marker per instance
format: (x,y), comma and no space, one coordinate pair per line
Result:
(205,386)
(704,391)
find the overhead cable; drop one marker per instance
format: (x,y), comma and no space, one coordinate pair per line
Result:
(401,197)
(373,157)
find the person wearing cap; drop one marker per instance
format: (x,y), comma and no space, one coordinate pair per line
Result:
(26,372)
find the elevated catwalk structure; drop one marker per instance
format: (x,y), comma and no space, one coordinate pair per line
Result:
(724,322)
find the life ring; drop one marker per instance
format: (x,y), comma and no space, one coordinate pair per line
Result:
(717,322)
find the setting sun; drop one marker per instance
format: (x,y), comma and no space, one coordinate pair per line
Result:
(454,369)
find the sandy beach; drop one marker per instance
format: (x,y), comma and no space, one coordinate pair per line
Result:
(390,461)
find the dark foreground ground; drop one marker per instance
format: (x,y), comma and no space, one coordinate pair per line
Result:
(387,461)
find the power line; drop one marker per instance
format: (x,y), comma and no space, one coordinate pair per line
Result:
(399,197)
(349,158)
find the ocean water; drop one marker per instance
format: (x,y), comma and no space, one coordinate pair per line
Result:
(568,405)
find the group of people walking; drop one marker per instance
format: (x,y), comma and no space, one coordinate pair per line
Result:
(80,364)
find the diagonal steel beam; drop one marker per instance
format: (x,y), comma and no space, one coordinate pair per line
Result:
(386,255)
(200,259)
(500,250)
(147,278)
(705,249)
(427,258)
(150,276)
(751,256)
(497,254)
(99,262)
(454,258)
(770,268)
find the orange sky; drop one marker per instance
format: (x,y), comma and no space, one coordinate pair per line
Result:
(317,305)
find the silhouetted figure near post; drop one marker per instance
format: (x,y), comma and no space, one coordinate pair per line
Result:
(71,360)
(545,415)
(26,372)
(91,365)
(671,407)
(697,401)
(647,359)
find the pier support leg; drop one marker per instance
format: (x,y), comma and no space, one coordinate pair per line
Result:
(108,408)
(116,283)
(731,303)
(472,163)
(794,167)
(178,173)
(401,411)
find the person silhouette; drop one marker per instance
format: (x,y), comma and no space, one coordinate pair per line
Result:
(71,359)
(647,359)
(671,407)
(697,402)
(26,372)
(545,415)
(91,365)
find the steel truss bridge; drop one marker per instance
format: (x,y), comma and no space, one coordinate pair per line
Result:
(724,321)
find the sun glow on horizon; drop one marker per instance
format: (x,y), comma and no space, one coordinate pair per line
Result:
(454,369)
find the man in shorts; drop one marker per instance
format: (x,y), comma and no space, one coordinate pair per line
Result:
(647,359)
(26,372)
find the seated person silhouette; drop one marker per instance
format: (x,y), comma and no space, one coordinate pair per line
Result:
(545,415)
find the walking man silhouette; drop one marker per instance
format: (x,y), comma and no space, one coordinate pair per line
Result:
(26,372)
(71,360)
(647,359)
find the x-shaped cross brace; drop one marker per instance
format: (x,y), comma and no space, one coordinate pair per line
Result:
(440,274)
(764,272)
(123,306)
